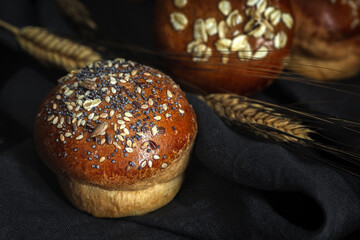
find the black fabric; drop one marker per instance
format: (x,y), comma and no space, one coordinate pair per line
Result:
(236,187)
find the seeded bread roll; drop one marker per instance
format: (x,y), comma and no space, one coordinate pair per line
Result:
(118,135)
(327,38)
(224,46)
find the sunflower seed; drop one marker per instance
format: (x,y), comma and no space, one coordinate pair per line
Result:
(104,115)
(108,138)
(116,145)
(178,21)
(79,137)
(56,119)
(127,114)
(90,85)
(129,150)
(101,128)
(51,118)
(143,164)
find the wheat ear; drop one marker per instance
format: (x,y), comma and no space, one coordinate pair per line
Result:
(260,119)
(52,49)
(77,12)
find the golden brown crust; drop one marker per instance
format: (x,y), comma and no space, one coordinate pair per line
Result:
(149,126)
(327,38)
(200,59)
(100,202)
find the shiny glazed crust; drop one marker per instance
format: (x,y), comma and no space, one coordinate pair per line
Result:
(116,125)
(222,69)
(327,39)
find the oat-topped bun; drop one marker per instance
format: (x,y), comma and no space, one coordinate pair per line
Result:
(224,45)
(327,38)
(118,135)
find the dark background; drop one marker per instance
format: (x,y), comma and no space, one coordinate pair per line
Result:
(236,186)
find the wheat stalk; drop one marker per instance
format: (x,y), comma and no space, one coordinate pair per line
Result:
(262,120)
(77,12)
(52,49)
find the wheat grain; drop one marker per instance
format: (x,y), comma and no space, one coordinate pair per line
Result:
(262,120)
(52,49)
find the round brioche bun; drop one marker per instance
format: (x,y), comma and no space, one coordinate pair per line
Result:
(327,39)
(224,45)
(118,135)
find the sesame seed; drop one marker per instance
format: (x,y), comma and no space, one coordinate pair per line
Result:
(158,118)
(150,164)
(169,94)
(164,165)
(156,157)
(102,159)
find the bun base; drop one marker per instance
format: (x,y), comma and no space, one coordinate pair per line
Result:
(324,69)
(101,202)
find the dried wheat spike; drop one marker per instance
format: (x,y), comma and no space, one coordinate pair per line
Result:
(52,49)
(77,12)
(262,120)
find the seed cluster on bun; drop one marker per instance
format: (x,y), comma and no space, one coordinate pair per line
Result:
(225,45)
(115,126)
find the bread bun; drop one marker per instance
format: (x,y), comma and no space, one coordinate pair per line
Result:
(224,46)
(118,135)
(327,38)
